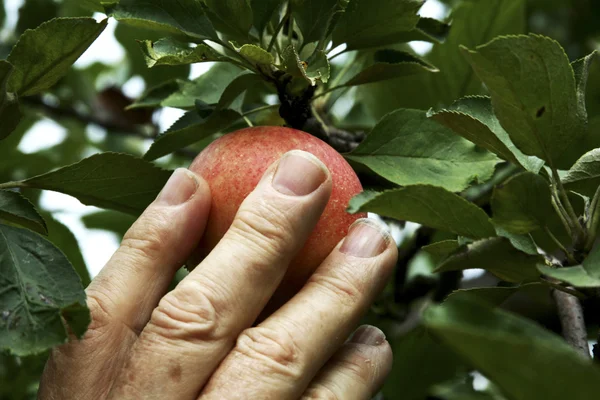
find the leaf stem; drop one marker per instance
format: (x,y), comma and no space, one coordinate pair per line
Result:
(572,292)
(570,256)
(566,203)
(278,29)
(259,109)
(562,213)
(12,185)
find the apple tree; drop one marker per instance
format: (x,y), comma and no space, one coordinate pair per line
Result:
(476,136)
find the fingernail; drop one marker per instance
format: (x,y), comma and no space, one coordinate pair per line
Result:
(368,334)
(299,173)
(179,188)
(365,239)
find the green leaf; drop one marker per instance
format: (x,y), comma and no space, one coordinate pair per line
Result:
(318,71)
(581,70)
(154,96)
(111,221)
(38,286)
(515,353)
(44,55)
(15,208)
(496,255)
(262,11)
(318,68)
(256,54)
(173,52)
(64,239)
(390,64)
(425,362)
(10,112)
(197,130)
(584,175)
(436,30)
(585,275)
(236,88)
(208,87)
(522,204)
(496,296)
(533,94)
(235,14)
(313,17)
(525,243)
(427,205)
(183,18)
(372,24)
(109,180)
(473,118)
(441,250)
(407,148)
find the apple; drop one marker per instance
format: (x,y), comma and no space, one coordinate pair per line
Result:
(233,165)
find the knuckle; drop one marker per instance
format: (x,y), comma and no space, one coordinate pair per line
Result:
(264,227)
(187,314)
(147,237)
(342,282)
(271,353)
(320,392)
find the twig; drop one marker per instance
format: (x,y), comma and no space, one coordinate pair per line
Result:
(570,313)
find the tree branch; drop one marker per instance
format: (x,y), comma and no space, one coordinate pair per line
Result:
(570,313)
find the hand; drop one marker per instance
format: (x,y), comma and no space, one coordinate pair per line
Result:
(198,341)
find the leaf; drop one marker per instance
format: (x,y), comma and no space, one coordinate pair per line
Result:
(10,112)
(425,362)
(34,13)
(533,94)
(473,118)
(496,255)
(109,180)
(581,70)
(235,14)
(441,250)
(64,239)
(515,353)
(522,204)
(256,54)
(207,87)
(584,175)
(44,55)
(262,11)
(183,18)
(368,24)
(294,66)
(38,286)
(172,52)
(318,68)
(473,23)
(436,30)
(313,17)
(176,139)
(15,208)
(154,96)
(427,205)
(585,275)
(112,221)
(496,296)
(525,243)
(390,64)
(407,148)
(238,86)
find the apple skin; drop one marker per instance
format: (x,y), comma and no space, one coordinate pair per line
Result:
(233,165)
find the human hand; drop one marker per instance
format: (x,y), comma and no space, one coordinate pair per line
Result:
(198,341)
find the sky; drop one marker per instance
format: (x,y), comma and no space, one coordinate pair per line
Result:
(98,246)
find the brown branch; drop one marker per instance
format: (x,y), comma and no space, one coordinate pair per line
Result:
(570,313)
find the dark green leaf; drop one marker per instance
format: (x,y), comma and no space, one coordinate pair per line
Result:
(35,12)
(10,112)
(522,204)
(441,250)
(64,239)
(175,139)
(525,243)
(15,208)
(473,118)
(181,18)
(584,175)
(428,205)
(533,94)
(496,296)
(235,14)
(38,286)
(372,24)
(262,11)
(156,95)
(496,255)
(585,275)
(313,17)
(425,362)
(390,64)
(407,148)
(236,88)
(434,29)
(112,221)
(173,52)
(581,70)
(109,180)
(515,353)
(292,64)
(42,56)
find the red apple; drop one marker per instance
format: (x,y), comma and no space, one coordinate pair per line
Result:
(233,164)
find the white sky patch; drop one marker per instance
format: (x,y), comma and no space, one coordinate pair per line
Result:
(42,135)
(134,87)
(168,116)
(95,133)
(105,49)
(431,9)
(12,13)
(199,69)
